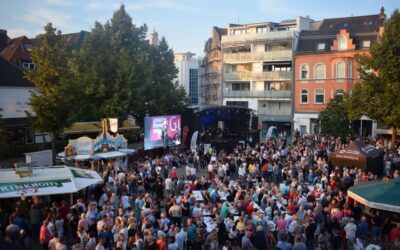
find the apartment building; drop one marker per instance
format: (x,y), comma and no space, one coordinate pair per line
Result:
(257,70)
(325,66)
(211,68)
(188,75)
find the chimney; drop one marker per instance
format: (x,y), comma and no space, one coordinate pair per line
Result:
(382,13)
(3,39)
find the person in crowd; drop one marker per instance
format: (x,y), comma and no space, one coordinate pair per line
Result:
(261,196)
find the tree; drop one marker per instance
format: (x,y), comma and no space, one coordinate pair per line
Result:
(119,72)
(53,100)
(159,90)
(378,90)
(333,119)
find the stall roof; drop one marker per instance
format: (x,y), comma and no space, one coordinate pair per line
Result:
(95,127)
(111,154)
(382,195)
(46,181)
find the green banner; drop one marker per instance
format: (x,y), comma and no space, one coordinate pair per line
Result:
(81,174)
(17,186)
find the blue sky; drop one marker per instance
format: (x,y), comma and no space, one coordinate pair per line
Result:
(186,24)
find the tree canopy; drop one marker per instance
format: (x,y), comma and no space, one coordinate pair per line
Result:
(118,72)
(53,100)
(377,94)
(334,119)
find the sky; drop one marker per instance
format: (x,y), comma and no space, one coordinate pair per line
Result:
(186,24)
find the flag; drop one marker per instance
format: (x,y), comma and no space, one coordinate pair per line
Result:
(113,124)
(193,142)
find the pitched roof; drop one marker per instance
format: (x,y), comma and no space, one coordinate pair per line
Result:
(18,49)
(360,28)
(12,76)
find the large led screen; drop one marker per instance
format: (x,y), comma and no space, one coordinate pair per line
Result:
(162,131)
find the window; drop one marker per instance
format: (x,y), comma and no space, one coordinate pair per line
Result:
(271,86)
(350,70)
(366,43)
(243,104)
(27,65)
(304,71)
(342,43)
(339,92)
(319,71)
(240,86)
(304,96)
(193,86)
(340,70)
(321,46)
(261,29)
(319,96)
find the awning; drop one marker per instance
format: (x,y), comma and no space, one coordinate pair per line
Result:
(95,127)
(46,181)
(382,195)
(111,154)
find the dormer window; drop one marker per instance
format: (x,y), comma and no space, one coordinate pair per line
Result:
(366,43)
(342,43)
(321,46)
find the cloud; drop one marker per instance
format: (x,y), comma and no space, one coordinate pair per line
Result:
(17,32)
(42,16)
(60,2)
(156,4)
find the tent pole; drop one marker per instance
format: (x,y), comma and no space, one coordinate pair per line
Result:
(361,130)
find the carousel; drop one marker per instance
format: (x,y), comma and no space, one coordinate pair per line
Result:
(98,152)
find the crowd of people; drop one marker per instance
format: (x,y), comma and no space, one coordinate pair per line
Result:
(272,195)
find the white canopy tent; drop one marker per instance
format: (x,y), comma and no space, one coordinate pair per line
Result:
(45,181)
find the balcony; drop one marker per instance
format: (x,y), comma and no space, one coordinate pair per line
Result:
(284,55)
(281,94)
(258,76)
(258,37)
(280,115)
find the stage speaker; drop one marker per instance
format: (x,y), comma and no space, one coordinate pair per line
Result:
(254,122)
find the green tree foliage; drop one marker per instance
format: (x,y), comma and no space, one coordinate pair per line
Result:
(52,101)
(119,72)
(378,90)
(333,119)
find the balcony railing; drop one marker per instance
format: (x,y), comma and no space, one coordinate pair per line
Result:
(254,76)
(258,37)
(257,56)
(278,94)
(282,114)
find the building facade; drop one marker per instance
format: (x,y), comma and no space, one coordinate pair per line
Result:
(210,69)
(188,75)
(325,66)
(257,70)
(15,91)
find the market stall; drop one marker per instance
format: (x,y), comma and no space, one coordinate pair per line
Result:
(39,181)
(382,195)
(360,155)
(95,152)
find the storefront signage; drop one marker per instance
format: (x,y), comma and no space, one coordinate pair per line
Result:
(31,185)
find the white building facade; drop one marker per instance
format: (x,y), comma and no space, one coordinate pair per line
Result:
(188,75)
(257,70)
